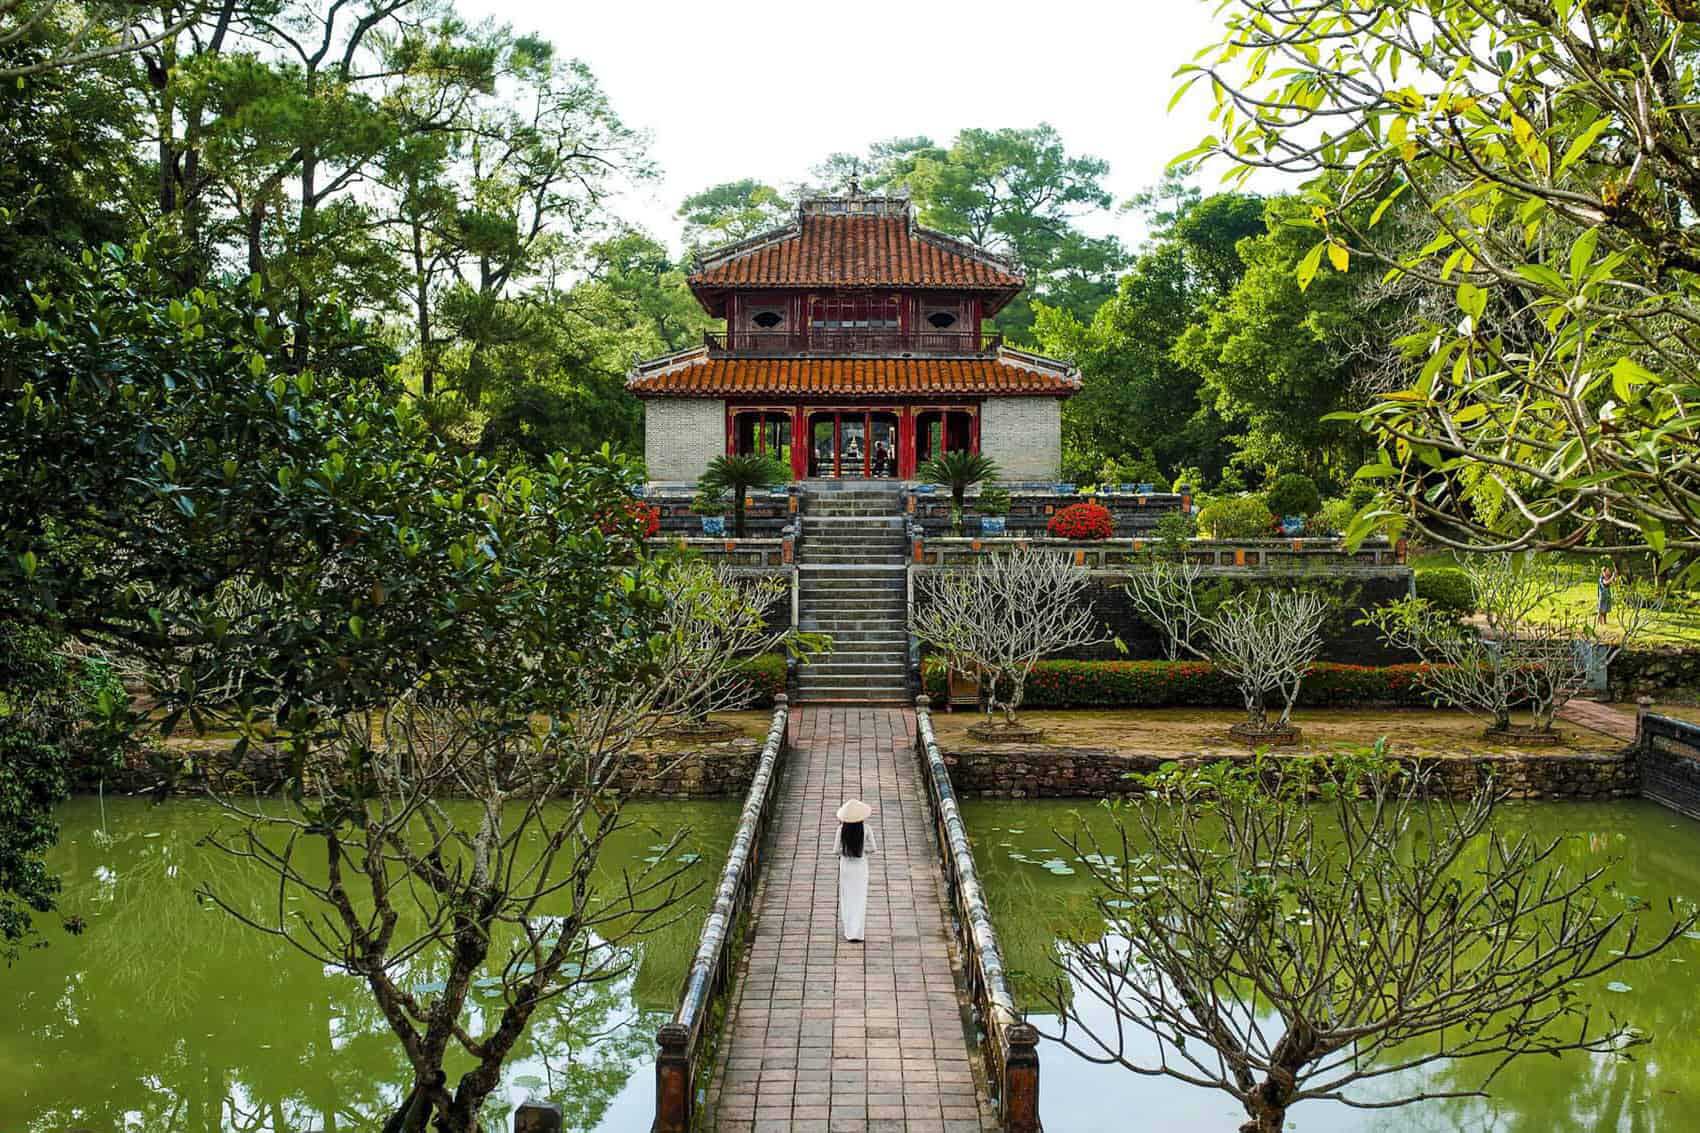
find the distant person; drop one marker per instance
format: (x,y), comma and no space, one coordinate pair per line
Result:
(855,843)
(1608,579)
(882,459)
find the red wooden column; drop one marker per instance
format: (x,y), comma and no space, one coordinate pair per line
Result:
(867,445)
(974,429)
(731,431)
(906,443)
(801,445)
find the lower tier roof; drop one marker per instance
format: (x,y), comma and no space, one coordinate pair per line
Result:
(1007,373)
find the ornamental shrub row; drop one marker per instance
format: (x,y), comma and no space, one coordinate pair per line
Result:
(1198,684)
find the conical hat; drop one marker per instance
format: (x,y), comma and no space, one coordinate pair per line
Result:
(854,811)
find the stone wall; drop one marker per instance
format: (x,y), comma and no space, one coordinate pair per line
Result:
(1343,641)
(1044,772)
(1024,435)
(712,771)
(681,435)
(1030,509)
(1670,763)
(1657,672)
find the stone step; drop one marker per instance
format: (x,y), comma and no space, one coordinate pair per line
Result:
(854,581)
(888,605)
(860,667)
(855,688)
(851,556)
(839,522)
(856,637)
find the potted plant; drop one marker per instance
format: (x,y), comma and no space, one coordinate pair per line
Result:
(958,471)
(993,506)
(711,505)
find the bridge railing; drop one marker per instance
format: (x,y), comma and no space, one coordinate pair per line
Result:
(1010,1046)
(682,1043)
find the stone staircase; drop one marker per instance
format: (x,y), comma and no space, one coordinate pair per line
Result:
(852,586)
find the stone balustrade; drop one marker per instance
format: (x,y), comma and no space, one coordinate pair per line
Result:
(1011,1044)
(1278,555)
(682,1042)
(1030,509)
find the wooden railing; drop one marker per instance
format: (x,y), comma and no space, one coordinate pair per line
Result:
(842,340)
(1010,1044)
(682,1042)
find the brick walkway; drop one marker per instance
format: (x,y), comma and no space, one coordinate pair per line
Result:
(828,1036)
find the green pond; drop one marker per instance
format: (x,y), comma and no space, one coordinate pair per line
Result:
(1038,889)
(169,1016)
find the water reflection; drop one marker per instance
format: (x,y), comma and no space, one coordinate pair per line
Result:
(168,1015)
(1039,892)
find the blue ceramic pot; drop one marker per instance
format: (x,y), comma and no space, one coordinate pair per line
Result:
(991,525)
(1292,524)
(714,525)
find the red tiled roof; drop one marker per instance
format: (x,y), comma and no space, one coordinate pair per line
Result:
(824,250)
(700,374)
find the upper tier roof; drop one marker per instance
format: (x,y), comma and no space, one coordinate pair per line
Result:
(854,242)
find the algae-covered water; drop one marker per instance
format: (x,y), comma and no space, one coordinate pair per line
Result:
(168,1016)
(1037,889)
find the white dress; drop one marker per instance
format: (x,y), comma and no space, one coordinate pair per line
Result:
(853,887)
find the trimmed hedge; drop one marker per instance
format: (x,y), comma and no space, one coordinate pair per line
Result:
(1197,684)
(1447,588)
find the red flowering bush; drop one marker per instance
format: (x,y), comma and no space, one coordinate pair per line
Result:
(643,519)
(1082,521)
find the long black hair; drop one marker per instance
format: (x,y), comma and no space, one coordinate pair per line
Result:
(850,836)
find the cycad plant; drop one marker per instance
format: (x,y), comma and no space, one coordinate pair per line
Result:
(737,475)
(958,471)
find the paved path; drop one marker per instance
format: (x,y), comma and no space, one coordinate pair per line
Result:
(1615,722)
(832,1037)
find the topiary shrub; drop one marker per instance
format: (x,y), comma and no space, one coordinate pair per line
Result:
(1197,684)
(1082,521)
(1447,588)
(1294,494)
(1238,517)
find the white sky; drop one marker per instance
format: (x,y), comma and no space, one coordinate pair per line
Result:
(730,90)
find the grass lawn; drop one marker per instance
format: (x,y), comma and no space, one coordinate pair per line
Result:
(1677,624)
(1204,731)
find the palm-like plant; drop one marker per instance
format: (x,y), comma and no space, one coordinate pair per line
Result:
(737,475)
(958,471)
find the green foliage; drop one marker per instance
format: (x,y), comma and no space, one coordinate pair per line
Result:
(992,500)
(1198,684)
(959,471)
(1013,190)
(1335,516)
(766,676)
(737,475)
(1236,517)
(57,717)
(1507,208)
(1293,494)
(709,502)
(732,211)
(1137,396)
(1448,589)
(1173,532)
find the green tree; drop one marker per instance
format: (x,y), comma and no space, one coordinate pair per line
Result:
(1546,173)
(731,211)
(1021,192)
(1138,399)
(737,475)
(958,471)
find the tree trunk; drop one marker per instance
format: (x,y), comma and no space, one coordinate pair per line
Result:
(1267,1106)
(738,498)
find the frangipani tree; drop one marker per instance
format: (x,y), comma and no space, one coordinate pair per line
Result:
(1265,639)
(1525,650)
(1530,173)
(1319,926)
(1004,614)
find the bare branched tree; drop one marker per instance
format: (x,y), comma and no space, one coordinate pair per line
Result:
(1527,652)
(1287,950)
(1000,617)
(450,843)
(1165,594)
(1267,640)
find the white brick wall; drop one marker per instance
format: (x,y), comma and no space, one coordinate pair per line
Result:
(681,435)
(1024,435)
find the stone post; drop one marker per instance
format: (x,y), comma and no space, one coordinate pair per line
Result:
(1021,1079)
(673,1085)
(537,1117)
